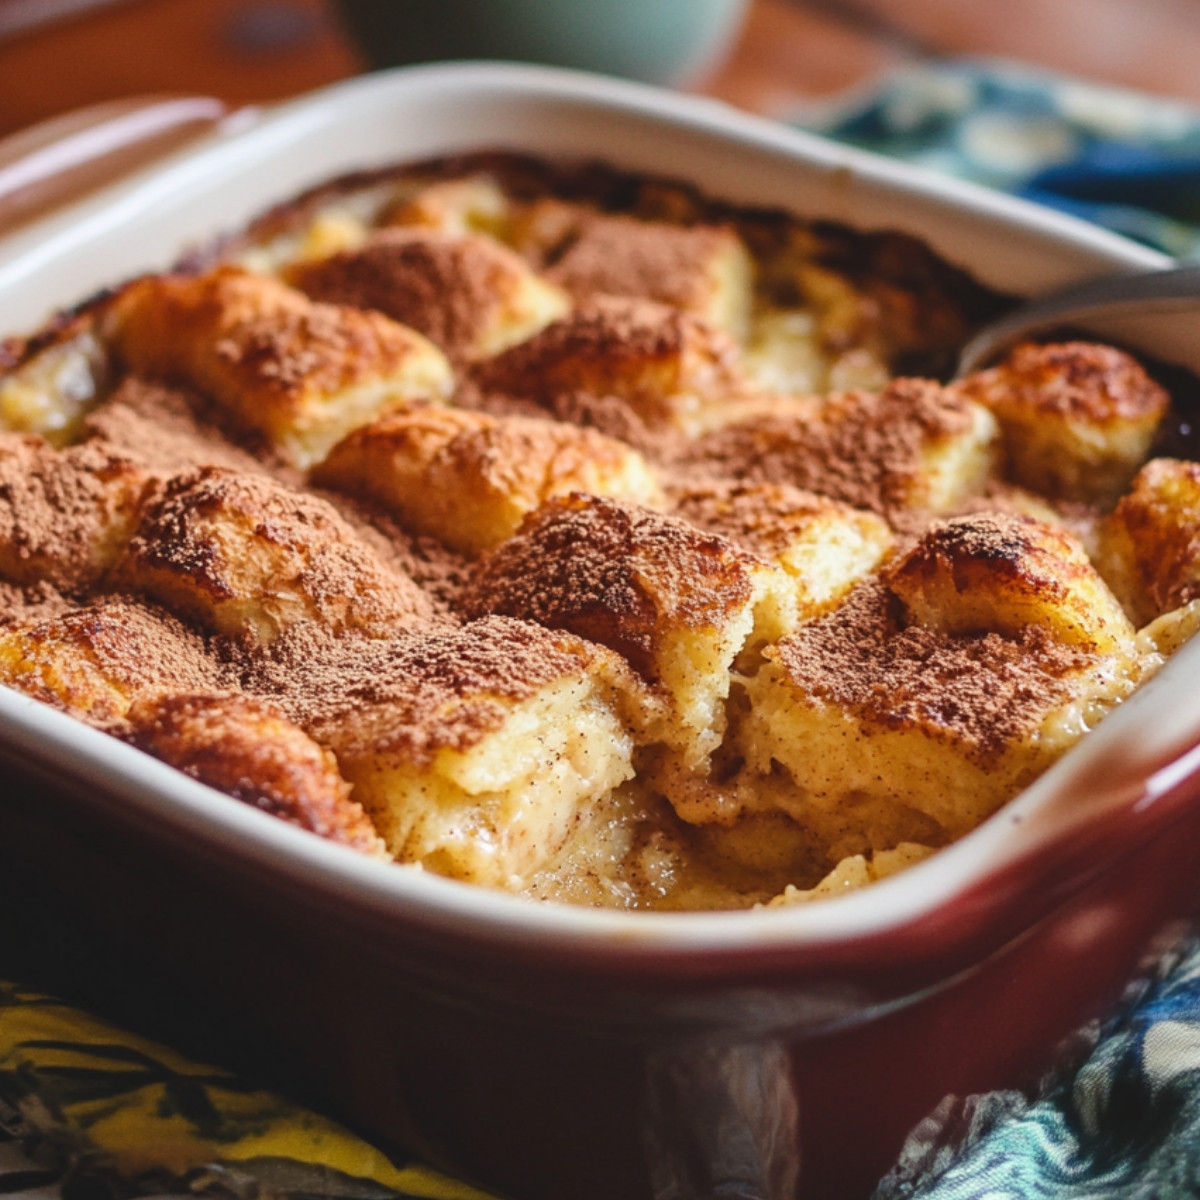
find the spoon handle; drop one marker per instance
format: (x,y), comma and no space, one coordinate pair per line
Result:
(1148,292)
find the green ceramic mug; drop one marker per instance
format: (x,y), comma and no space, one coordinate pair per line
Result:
(660,41)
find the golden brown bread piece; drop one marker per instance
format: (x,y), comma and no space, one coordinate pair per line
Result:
(471,296)
(672,370)
(1078,418)
(246,748)
(825,546)
(985,651)
(97,661)
(677,603)
(915,447)
(891,732)
(478,751)
(469,478)
(1150,543)
(993,572)
(470,204)
(246,556)
(65,516)
(703,270)
(297,373)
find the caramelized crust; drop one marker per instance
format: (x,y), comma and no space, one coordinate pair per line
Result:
(1150,544)
(1086,380)
(673,371)
(468,478)
(96,661)
(615,573)
(704,270)
(999,573)
(1078,418)
(914,447)
(65,515)
(243,747)
(300,374)
(469,295)
(676,603)
(247,557)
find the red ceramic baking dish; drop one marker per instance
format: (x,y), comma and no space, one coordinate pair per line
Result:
(548,1051)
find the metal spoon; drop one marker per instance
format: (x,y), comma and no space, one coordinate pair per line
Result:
(1145,292)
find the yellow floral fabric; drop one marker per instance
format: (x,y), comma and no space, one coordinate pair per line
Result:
(81,1098)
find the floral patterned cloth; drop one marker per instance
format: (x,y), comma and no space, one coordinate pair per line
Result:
(92,1112)
(1123,1125)
(1123,159)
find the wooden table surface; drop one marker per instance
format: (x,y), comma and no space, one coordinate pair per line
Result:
(789,50)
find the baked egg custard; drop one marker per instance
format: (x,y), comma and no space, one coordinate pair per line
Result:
(573,534)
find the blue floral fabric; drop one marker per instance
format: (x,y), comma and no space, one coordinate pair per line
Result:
(1128,161)
(1124,1125)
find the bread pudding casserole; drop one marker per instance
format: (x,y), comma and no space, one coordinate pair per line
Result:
(573,534)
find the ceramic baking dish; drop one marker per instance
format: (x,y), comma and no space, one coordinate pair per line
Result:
(548,1051)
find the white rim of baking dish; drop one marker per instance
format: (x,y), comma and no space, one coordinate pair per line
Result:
(1153,731)
(559,106)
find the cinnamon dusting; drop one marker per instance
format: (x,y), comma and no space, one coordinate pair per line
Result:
(862,448)
(985,690)
(181,577)
(614,573)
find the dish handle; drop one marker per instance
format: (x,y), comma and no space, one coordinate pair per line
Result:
(65,158)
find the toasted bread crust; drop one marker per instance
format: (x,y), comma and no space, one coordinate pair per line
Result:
(244,748)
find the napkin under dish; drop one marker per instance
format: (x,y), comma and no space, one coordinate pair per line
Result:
(89,1110)
(1124,159)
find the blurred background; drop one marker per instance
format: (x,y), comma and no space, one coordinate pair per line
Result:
(1092,106)
(56,55)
